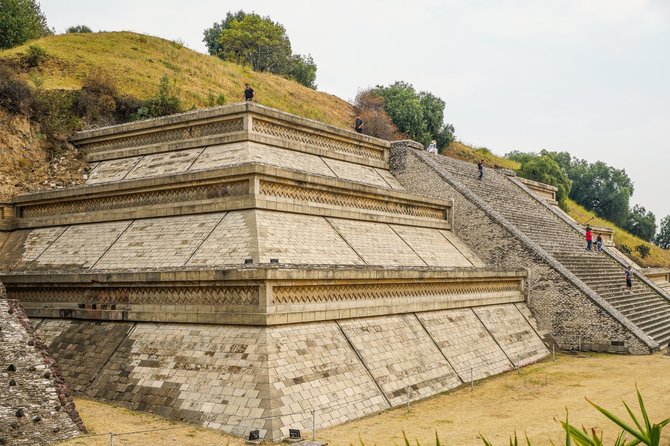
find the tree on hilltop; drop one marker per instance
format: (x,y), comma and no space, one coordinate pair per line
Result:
(663,237)
(78,29)
(249,39)
(641,223)
(371,107)
(20,21)
(418,115)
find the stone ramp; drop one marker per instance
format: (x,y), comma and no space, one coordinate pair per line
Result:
(35,404)
(647,307)
(239,379)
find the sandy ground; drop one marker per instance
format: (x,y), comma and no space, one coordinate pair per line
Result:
(529,401)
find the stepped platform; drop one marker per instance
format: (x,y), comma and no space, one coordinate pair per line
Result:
(553,237)
(240,267)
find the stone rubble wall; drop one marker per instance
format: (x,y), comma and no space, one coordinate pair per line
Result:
(36,407)
(238,379)
(572,318)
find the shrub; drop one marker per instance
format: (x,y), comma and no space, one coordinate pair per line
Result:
(376,122)
(96,101)
(213,101)
(78,29)
(15,94)
(625,249)
(643,250)
(56,112)
(166,102)
(35,56)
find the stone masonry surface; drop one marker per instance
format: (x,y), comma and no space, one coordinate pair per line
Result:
(513,333)
(80,246)
(232,241)
(294,238)
(159,242)
(401,357)
(25,246)
(35,405)
(237,379)
(558,305)
(218,239)
(233,154)
(461,336)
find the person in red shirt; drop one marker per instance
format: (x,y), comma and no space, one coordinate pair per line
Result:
(589,238)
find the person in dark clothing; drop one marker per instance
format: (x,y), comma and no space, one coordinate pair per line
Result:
(480,168)
(358,124)
(589,238)
(599,243)
(629,280)
(248,93)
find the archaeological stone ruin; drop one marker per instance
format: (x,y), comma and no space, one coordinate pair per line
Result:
(36,407)
(245,269)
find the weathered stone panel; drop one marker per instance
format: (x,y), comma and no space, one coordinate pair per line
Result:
(82,348)
(376,243)
(159,242)
(432,246)
(80,246)
(463,339)
(401,356)
(306,239)
(312,366)
(514,335)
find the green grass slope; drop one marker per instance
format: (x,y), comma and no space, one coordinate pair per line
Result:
(137,62)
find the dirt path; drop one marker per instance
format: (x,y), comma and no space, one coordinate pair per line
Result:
(528,401)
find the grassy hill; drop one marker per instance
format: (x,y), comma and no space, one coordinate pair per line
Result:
(136,62)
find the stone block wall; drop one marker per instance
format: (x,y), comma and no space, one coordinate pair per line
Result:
(35,403)
(238,379)
(560,308)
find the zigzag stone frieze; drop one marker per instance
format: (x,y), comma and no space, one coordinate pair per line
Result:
(359,292)
(165,136)
(231,295)
(311,195)
(149,198)
(324,142)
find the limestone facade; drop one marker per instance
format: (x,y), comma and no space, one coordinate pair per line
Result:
(240,268)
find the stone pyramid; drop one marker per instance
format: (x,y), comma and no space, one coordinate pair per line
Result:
(245,269)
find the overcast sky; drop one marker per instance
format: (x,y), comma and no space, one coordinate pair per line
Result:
(588,76)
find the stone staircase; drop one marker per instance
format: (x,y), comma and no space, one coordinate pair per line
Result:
(647,307)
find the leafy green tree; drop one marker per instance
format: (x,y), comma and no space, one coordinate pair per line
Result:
(662,239)
(602,189)
(545,170)
(418,115)
(641,223)
(212,34)
(520,157)
(20,21)
(78,29)
(250,39)
(258,42)
(303,70)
